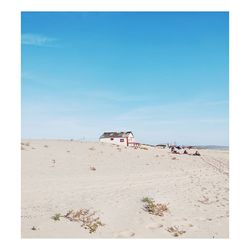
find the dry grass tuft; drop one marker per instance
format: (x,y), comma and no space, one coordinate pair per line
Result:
(143,148)
(92,168)
(22,148)
(175,231)
(87,219)
(154,208)
(174,158)
(46,146)
(92,148)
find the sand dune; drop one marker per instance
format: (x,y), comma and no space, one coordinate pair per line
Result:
(57,177)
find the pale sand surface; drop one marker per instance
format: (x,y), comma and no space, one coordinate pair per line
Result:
(195,188)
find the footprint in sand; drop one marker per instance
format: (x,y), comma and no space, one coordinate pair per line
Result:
(125,234)
(154,226)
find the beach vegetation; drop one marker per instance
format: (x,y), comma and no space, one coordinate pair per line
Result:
(175,231)
(84,216)
(154,208)
(56,217)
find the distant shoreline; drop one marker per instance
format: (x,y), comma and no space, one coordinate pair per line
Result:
(213,147)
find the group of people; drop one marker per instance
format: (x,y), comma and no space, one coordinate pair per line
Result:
(175,150)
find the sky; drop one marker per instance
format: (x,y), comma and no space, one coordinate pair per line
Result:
(162,75)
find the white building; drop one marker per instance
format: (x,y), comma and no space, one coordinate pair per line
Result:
(119,138)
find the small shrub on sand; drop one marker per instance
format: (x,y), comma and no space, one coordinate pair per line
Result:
(144,148)
(56,217)
(26,144)
(154,208)
(175,231)
(92,168)
(46,146)
(92,148)
(33,228)
(22,148)
(147,200)
(87,219)
(174,158)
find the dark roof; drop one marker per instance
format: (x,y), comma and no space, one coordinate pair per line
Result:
(115,134)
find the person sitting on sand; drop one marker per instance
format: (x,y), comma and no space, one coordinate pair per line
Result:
(197,153)
(175,152)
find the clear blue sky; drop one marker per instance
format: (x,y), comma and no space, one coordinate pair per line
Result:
(163,75)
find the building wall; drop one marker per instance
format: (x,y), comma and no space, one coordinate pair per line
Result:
(131,138)
(115,141)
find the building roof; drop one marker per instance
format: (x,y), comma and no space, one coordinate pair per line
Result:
(115,134)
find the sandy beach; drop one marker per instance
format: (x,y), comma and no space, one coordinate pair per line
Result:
(111,180)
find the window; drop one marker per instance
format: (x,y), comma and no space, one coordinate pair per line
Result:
(111,139)
(121,140)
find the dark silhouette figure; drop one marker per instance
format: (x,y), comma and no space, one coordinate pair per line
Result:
(197,153)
